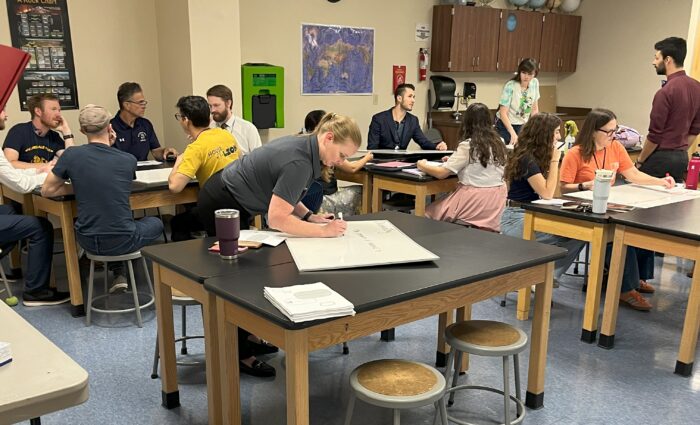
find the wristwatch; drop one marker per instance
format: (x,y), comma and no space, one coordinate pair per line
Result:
(67,136)
(580,187)
(307,215)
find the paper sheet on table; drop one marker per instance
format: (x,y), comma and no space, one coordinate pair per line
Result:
(556,202)
(267,238)
(153,176)
(364,244)
(147,163)
(418,172)
(641,196)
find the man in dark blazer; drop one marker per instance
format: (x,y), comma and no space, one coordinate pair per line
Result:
(394,128)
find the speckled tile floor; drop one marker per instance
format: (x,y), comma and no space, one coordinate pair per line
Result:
(631,384)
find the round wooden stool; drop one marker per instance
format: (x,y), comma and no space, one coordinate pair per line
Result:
(487,338)
(397,384)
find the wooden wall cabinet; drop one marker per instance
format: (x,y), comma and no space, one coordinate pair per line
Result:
(463,39)
(523,42)
(560,36)
(476,39)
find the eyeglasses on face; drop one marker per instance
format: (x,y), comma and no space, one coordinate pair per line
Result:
(609,133)
(140,102)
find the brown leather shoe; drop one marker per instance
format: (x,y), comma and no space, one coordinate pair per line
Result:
(645,288)
(635,300)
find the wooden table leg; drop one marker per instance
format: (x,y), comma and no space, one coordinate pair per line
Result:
(70,249)
(539,335)
(366,193)
(689,338)
(376,198)
(228,360)
(421,193)
(444,320)
(595,277)
(297,352)
(166,341)
(612,295)
(213,362)
(523,307)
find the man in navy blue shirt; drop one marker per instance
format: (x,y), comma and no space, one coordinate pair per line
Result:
(135,134)
(394,128)
(41,140)
(101,178)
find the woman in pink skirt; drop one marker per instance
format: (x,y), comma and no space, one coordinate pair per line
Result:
(479,162)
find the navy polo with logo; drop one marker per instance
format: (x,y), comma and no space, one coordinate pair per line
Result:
(138,140)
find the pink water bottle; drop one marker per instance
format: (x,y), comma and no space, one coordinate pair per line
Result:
(691,181)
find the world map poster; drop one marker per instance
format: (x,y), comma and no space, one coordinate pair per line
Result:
(336,60)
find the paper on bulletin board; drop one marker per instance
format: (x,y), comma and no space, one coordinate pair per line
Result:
(422,32)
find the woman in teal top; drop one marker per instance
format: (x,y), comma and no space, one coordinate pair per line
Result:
(519,100)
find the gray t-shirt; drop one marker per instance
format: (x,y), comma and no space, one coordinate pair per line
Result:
(285,167)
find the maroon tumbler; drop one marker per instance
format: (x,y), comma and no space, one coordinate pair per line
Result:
(228,229)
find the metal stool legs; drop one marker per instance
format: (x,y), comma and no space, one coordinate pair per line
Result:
(137,307)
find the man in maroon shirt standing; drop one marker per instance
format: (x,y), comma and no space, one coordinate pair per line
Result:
(675,114)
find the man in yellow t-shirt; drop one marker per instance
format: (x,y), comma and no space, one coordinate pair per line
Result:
(209,152)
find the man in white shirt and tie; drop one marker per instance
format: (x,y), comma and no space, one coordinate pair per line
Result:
(220,100)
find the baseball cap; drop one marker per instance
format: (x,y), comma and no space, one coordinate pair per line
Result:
(93,118)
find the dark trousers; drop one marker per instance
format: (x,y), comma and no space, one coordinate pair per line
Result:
(184,224)
(39,232)
(503,131)
(660,162)
(214,196)
(313,197)
(637,266)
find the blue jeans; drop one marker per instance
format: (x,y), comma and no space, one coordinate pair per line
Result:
(313,197)
(503,131)
(638,262)
(39,232)
(512,223)
(147,231)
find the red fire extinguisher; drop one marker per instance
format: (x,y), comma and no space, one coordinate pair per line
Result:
(422,64)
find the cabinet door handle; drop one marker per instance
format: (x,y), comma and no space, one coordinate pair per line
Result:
(477,61)
(473,60)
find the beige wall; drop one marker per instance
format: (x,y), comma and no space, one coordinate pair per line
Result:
(113,42)
(174,57)
(270,32)
(615,53)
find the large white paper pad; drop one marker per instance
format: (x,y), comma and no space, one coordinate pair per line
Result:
(640,196)
(365,244)
(153,176)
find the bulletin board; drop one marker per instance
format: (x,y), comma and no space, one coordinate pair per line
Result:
(41,28)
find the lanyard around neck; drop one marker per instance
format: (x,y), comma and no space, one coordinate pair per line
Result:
(605,153)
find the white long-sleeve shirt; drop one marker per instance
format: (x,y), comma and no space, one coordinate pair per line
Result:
(22,181)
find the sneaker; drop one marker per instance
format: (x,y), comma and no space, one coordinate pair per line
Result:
(45,297)
(635,300)
(645,288)
(119,285)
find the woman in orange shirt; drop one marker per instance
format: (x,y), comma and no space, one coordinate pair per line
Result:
(595,149)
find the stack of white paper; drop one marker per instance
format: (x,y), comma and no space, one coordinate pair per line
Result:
(313,301)
(5,353)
